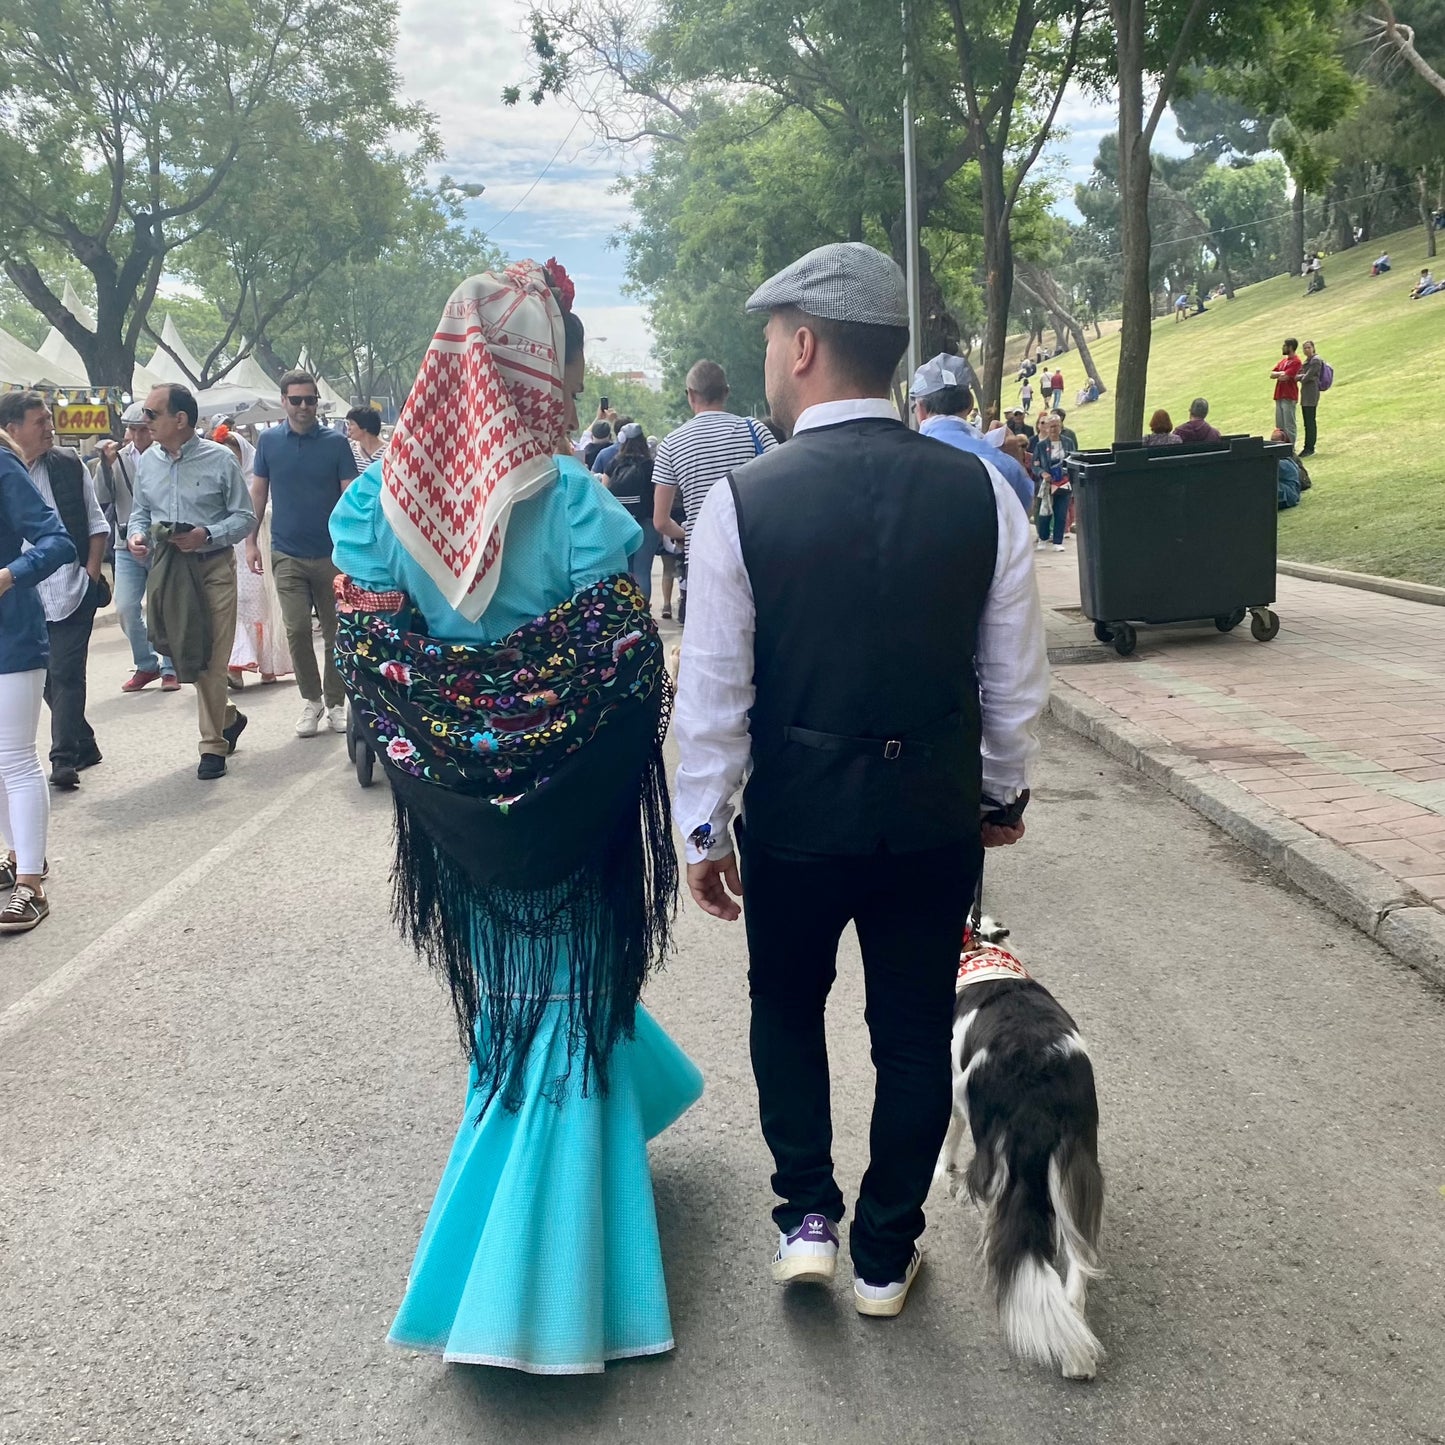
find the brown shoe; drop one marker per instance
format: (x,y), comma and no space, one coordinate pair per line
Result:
(26,910)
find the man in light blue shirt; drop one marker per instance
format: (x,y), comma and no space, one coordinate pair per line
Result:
(941,399)
(196,486)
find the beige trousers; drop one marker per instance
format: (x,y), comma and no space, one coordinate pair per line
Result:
(218,577)
(301,584)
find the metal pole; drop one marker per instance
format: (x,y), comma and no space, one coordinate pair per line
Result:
(910,210)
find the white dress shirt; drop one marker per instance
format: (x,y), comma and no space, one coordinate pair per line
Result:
(64,590)
(715,686)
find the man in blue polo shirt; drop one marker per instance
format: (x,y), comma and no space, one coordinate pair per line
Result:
(303,468)
(941,399)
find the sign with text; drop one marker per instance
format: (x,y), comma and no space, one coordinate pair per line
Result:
(83,421)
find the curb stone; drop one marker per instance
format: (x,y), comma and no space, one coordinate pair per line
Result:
(1364,581)
(1374,901)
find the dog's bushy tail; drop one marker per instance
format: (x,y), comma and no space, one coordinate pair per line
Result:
(1043,1199)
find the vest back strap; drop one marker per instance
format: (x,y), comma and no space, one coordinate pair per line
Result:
(889,748)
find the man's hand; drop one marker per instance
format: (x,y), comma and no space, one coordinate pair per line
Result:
(138,547)
(253,556)
(7,580)
(997,836)
(192,540)
(705,881)
(109,450)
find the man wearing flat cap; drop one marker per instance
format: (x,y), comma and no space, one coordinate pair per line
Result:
(865,646)
(941,400)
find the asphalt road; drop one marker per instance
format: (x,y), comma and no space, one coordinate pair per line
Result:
(228,1092)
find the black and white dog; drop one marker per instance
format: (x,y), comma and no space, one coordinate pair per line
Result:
(1024,1086)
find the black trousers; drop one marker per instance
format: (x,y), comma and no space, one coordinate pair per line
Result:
(1311,429)
(71,737)
(909,910)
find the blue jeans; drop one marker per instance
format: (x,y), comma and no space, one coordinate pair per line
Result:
(1058,523)
(640,562)
(130,591)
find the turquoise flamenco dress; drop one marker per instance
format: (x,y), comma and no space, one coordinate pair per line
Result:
(541,1250)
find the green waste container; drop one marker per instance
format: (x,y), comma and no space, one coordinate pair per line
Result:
(1177,534)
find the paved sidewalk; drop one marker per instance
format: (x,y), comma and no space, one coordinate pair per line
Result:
(1337,725)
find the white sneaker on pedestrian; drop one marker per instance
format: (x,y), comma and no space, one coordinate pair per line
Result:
(1040,545)
(309,723)
(1058,546)
(883,1301)
(809,1255)
(336,718)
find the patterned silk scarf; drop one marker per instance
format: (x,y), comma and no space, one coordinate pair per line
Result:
(479,430)
(535,862)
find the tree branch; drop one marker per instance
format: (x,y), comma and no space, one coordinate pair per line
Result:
(1171,72)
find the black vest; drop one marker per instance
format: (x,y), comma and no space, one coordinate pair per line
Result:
(67,485)
(870,550)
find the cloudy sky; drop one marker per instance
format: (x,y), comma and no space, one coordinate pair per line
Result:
(549,186)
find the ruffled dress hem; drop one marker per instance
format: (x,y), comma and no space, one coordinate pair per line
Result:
(451,1357)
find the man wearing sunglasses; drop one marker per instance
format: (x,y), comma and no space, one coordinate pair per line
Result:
(196,487)
(302,468)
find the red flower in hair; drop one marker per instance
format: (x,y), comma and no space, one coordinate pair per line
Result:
(561,283)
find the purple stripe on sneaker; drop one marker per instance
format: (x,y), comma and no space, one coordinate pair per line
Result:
(815,1229)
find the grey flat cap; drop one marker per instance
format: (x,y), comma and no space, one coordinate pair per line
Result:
(134,415)
(936,375)
(846,281)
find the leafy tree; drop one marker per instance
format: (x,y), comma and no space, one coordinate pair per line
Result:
(132,130)
(1151,43)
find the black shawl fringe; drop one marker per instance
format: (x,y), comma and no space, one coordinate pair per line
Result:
(506,952)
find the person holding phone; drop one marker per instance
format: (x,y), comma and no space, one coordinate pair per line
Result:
(196,488)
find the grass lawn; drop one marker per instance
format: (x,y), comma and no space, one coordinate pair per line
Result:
(1378,501)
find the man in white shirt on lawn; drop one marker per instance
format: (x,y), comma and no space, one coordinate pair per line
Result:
(866,649)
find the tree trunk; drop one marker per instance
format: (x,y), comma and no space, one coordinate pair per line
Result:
(1042,287)
(1136,333)
(1297,230)
(998,268)
(1422,182)
(1228,276)
(1344,225)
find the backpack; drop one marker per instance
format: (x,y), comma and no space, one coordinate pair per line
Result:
(1327,376)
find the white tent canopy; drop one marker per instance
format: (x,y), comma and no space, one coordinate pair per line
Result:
(20,366)
(248,373)
(61,354)
(331,399)
(241,404)
(174,364)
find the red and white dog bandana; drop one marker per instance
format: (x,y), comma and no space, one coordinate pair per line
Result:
(988,961)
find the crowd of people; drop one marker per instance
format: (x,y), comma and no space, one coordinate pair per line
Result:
(216,553)
(492,631)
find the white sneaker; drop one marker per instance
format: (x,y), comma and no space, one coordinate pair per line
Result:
(809,1255)
(1040,545)
(309,723)
(883,1301)
(1058,546)
(336,718)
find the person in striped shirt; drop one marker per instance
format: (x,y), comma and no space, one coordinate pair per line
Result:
(701,452)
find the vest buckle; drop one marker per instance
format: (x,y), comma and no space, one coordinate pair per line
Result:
(892,749)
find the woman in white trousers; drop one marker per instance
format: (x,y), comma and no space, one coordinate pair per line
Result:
(33,544)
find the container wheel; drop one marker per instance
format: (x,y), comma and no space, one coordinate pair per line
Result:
(365,763)
(1264,624)
(350,735)
(1125,639)
(1230,620)
(1103,632)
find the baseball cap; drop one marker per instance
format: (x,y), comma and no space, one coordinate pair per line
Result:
(937,375)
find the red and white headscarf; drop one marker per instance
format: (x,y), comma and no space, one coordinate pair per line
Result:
(479,431)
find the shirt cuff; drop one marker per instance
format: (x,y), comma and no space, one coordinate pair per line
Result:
(712,840)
